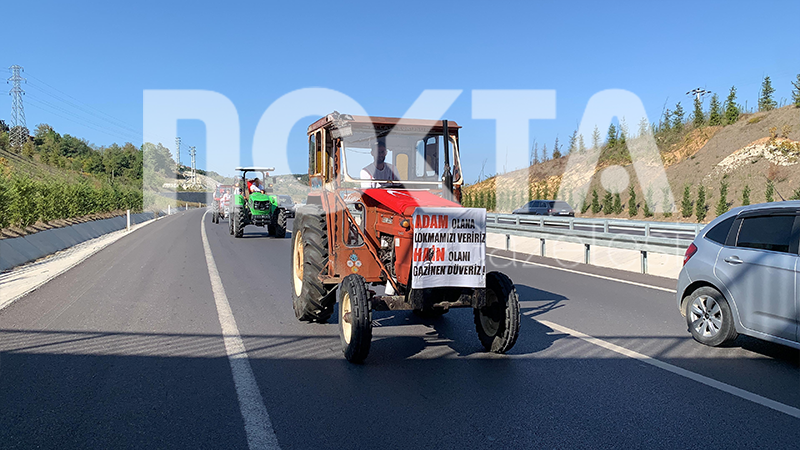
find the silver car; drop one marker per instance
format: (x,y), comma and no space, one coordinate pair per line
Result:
(741,275)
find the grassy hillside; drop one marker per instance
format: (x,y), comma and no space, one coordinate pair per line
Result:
(758,150)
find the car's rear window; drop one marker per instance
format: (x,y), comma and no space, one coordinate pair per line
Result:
(772,233)
(719,233)
(561,205)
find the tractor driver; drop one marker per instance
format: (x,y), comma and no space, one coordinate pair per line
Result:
(379,169)
(255,186)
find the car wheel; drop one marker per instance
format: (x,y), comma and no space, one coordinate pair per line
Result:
(709,317)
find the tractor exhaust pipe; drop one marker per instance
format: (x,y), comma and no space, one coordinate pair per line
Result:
(447,176)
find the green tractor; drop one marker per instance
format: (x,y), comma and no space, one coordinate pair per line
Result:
(256,204)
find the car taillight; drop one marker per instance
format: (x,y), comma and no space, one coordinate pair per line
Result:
(689,253)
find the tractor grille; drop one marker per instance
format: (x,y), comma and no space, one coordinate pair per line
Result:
(261,206)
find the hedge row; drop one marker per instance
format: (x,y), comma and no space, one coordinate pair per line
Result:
(25,201)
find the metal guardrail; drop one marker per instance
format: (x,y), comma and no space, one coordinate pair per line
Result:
(646,237)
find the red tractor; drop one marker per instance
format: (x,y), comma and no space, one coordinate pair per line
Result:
(221,202)
(383,213)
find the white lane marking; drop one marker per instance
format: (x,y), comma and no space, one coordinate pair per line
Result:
(710,382)
(563,269)
(257,424)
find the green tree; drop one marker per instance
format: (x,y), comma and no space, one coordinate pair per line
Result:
(715,112)
(732,110)
(795,195)
(677,117)
(617,204)
(649,206)
(765,100)
(701,209)
(611,137)
(556,150)
(770,194)
(666,201)
(608,203)
(722,204)
(545,192)
(573,143)
(796,92)
(633,207)
(746,195)
(595,137)
(595,202)
(686,202)
(699,117)
(666,121)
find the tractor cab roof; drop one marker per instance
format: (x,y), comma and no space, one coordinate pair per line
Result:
(335,117)
(255,169)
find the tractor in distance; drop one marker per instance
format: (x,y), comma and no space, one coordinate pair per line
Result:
(221,202)
(256,204)
(384,212)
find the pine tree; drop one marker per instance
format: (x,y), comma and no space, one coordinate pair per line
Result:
(573,143)
(746,195)
(623,132)
(722,204)
(770,194)
(633,208)
(765,101)
(544,153)
(715,112)
(700,206)
(677,117)
(611,138)
(608,203)
(649,206)
(796,92)
(581,145)
(535,154)
(595,138)
(666,121)
(732,110)
(617,204)
(686,203)
(667,203)
(556,150)
(595,202)
(699,118)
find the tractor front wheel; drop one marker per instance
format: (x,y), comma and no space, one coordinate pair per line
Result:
(355,318)
(498,323)
(238,223)
(279,223)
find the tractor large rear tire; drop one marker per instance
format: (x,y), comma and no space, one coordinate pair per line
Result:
(312,300)
(238,223)
(498,323)
(279,224)
(230,224)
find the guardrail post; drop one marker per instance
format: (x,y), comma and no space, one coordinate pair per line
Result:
(129,220)
(169,209)
(516,219)
(495,219)
(571,224)
(605,226)
(543,249)
(541,222)
(508,242)
(696,230)
(587,254)
(644,262)
(647,230)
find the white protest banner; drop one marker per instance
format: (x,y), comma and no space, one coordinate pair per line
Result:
(449,247)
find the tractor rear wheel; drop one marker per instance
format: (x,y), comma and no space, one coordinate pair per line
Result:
(355,318)
(238,223)
(230,224)
(279,224)
(312,300)
(498,323)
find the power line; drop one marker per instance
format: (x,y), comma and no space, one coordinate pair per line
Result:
(116,133)
(81,122)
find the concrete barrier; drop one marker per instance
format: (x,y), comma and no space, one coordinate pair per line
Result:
(21,250)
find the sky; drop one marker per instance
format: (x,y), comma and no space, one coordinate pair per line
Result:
(88,63)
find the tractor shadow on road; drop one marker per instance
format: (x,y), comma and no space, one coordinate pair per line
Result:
(456,329)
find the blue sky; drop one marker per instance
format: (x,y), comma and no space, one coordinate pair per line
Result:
(384,55)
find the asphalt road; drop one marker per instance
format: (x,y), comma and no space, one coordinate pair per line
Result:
(126,351)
